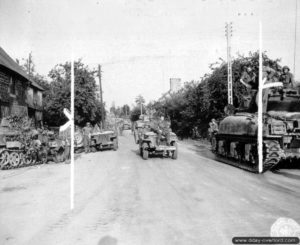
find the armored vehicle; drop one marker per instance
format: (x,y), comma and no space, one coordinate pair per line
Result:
(236,140)
(104,140)
(11,149)
(149,145)
(19,149)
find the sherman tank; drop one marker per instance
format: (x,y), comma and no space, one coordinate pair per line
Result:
(236,140)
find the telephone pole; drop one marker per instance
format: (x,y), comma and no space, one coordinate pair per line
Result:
(295,37)
(101,96)
(228,34)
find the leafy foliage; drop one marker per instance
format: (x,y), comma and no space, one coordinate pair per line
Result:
(200,101)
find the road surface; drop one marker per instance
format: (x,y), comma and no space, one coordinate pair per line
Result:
(122,199)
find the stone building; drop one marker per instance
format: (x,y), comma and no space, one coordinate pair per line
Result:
(19,95)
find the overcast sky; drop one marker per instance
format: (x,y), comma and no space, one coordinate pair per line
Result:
(143,43)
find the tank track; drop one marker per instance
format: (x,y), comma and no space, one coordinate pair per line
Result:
(272,154)
(7,164)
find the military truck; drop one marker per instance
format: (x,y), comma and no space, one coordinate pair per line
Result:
(236,141)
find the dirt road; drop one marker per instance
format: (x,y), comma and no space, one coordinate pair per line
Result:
(122,199)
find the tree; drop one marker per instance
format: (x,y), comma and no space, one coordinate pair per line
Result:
(200,101)
(139,100)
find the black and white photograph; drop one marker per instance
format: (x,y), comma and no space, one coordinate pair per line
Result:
(149,122)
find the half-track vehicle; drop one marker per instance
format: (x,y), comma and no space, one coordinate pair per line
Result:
(236,141)
(19,149)
(149,145)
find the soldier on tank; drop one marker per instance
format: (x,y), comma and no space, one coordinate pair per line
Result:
(250,81)
(87,130)
(287,78)
(249,78)
(213,128)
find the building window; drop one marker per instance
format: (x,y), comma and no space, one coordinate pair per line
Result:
(12,86)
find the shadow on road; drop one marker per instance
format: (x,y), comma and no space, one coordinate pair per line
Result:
(108,240)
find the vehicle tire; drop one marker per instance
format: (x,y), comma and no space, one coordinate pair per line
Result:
(145,154)
(175,152)
(55,157)
(135,138)
(61,155)
(43,156)
(115,144)
(141,151)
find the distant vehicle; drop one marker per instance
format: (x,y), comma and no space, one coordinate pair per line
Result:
(126,125)
(148,145)
(104,140)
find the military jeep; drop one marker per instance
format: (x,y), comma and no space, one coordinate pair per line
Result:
(149,145)
(104,140)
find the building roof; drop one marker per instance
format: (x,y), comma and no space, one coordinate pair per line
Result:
(9,63)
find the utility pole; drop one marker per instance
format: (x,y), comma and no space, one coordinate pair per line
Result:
(295,41)
(29,64)
(228,34)
(101,97)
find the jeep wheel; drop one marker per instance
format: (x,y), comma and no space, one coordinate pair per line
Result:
(175,152)
(145,154)
(115,144)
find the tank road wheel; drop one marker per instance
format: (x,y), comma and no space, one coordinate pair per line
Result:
(115,144)
(4,155)
(22,159)
(145,152)
(175,152)
(28,159)
(14,159)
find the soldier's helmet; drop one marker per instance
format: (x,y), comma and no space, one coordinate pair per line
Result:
(285,68)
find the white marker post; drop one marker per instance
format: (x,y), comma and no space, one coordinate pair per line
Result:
(72,135)
(260,105)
